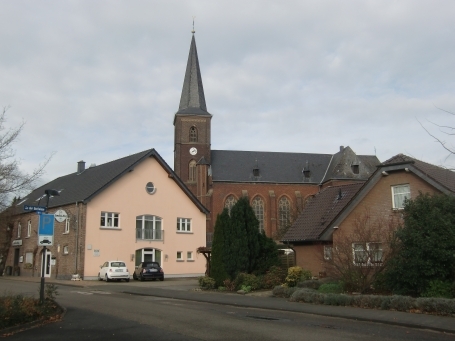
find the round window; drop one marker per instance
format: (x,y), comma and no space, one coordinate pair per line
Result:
(150,188)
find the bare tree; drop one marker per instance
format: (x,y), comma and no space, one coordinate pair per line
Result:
(359,255)
(13,182)
(445,130)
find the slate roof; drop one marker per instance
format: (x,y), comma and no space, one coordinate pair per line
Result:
(443,176)
(82,187)
(320,211)
(277,167)
(192,101)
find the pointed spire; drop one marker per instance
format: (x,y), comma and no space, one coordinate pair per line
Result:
(193,99)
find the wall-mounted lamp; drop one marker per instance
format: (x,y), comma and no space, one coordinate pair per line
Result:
(132,256)
(384,173)
(407,170)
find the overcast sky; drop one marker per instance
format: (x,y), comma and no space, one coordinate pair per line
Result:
(99,80)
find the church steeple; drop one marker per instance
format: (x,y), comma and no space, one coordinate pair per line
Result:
(192,127)
(192,101)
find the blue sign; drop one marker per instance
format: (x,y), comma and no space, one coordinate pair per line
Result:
(34,208)
(46,229)
(46,225)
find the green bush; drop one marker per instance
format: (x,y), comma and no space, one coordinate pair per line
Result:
(331,288)
(312,284)
(440,306)
(245,288)
(250,280)
(283,291)
(439,289)
(206,283)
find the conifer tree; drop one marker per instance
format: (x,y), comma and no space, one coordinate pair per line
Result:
(219,250)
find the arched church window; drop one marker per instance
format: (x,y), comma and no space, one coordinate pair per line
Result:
(193,134)
(258,207)
(229,203)
(192,171)
(284,213)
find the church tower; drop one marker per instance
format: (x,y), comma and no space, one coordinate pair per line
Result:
(192,124)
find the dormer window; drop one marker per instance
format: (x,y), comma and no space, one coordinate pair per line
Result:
(306,173)
(255,171)
(355,168)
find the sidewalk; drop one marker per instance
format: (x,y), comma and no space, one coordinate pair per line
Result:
(184,289)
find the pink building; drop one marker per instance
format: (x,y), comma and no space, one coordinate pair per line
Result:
(132,209)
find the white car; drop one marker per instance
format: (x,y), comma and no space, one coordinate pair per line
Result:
(113,270)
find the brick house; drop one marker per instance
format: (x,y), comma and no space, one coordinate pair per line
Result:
(132,209)
(276,183)
(332,214)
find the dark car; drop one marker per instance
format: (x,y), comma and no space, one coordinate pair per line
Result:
(148,270)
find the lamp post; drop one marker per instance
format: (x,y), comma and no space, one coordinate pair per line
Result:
(48,192)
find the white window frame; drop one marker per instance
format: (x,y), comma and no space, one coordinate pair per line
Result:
(397,198)
(29,228)
(189,256)
(67,226)
(109,220)
(184,225)
(19,228)
(66,250)
(29,257)
(155,233)
(328,249)
(179,256)
(258,207)
(371,247)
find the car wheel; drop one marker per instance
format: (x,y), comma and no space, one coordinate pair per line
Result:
(141,278)
(154,279)
(162,279)
(134,276)
(127,280)
(106,278)
(99,277)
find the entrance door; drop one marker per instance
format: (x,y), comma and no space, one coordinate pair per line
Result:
(47,264)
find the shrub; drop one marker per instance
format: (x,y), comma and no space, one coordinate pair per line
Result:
(307,296)
(441,306)
(283,291)
(312,284)
(334,299)
(297,274)
(206,283)
(439,288)
(274,276)
(245,288)
(331,288)
(19,309)
(402,303)
(247,280)
(229,285)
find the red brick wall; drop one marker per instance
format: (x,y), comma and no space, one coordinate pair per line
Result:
(222,190)
(65,264)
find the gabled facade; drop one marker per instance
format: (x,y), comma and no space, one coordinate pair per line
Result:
(276,183)
(332,214)
(132,209)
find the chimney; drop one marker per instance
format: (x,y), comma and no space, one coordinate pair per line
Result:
(80,167)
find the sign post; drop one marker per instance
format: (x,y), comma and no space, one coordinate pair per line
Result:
(45,233)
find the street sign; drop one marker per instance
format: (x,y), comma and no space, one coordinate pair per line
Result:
(34,208)
(46,230)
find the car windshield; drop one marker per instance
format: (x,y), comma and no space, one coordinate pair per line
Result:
(151,265)
(117,264)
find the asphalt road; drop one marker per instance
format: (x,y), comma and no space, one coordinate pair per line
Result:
(103,312)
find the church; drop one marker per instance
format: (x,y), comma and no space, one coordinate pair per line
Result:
(277,184)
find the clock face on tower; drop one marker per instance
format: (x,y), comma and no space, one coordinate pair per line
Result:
(193,151)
